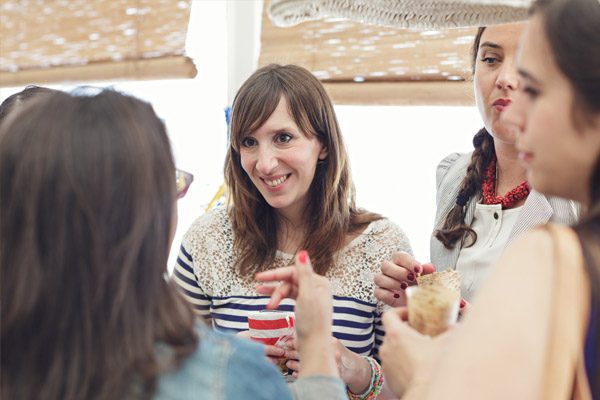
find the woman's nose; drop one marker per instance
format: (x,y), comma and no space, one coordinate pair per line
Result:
(508,77)
(267,160)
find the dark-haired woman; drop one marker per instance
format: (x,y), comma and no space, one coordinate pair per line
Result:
(290,187)
(534,330)
(483,198)
(87,216)
(16,100)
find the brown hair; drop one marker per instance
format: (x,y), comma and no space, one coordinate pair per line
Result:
(331,211)
(572,28)
(454,227)
(87,192)
(16,99)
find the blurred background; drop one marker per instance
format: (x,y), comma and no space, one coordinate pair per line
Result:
(403,97)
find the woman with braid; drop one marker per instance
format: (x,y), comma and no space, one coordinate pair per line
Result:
(483,198)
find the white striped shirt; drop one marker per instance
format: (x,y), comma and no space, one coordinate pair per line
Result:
(206,274)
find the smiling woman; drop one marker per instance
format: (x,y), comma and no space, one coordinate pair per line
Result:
(290,188)
(281,162)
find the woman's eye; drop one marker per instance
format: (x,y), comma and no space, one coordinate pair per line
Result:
(248,142)
(283,138)
(531,92)
(490,60)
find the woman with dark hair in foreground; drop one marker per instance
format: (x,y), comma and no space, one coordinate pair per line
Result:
(87,216)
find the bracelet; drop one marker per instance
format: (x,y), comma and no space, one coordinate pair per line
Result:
(375,385)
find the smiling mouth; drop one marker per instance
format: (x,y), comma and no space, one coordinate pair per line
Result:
(276,182)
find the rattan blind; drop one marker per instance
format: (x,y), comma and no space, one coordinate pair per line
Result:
(370,64)
(44,41)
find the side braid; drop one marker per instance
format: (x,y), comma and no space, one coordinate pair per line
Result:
(454,228)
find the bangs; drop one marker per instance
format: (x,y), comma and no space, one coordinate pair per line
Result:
(251,112)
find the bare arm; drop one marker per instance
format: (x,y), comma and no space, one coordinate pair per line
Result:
(500,349)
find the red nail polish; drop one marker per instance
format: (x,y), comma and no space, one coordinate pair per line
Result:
(463,303)
(418,269)
(396,296)
(403,285)
(302,256)
(410,276)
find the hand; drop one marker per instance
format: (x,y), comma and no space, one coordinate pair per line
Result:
(273,353)
(313,311)
(407,356)
(398,274)
(354,370)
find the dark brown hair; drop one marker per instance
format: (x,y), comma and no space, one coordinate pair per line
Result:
(16,99)
(87,192)
(454,228)
(572,28)
(331,212)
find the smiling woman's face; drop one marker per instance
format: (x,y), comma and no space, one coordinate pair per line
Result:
(496,78)
(281,161)
(558,153)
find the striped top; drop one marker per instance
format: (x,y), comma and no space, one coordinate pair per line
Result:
(206,274)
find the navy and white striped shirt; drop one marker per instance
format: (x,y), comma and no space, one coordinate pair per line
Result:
(206,275)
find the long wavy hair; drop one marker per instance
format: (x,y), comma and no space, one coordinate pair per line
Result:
(454,228)
(572,28)
(87,192)
(331,213)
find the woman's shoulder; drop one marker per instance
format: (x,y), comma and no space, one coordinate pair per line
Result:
(211,229)
(386,226)
(381,237)
(216,218)
(455,162)
(223,366)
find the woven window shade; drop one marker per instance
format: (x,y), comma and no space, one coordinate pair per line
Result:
(367,64)
(46,41)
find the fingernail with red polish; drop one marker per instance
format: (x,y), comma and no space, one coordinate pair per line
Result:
(396,295)
(302,256)
(403,285)
(410,276)
(418,269)
(463,303)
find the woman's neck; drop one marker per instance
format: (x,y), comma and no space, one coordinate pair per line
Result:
(290,234)
(509,171)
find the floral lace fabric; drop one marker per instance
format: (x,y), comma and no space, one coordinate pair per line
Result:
(209,241)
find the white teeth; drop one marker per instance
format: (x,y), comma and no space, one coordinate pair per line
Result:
(276,182)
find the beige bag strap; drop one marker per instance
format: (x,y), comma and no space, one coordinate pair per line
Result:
(566,377)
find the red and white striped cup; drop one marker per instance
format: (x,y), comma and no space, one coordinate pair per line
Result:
(274,328)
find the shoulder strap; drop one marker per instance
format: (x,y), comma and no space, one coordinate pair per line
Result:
(566,377)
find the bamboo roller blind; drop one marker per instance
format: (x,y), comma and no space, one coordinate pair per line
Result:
(370,64)
(82,40)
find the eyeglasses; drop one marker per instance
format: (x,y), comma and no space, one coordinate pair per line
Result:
(183,180)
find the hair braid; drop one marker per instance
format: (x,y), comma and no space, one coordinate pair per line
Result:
(454,227)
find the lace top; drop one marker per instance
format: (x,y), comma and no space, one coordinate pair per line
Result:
(206,273)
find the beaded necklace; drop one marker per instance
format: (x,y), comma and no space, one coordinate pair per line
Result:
(488,189)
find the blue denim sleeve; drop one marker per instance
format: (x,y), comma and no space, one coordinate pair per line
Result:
(251,376)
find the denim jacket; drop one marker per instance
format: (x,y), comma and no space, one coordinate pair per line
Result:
(224,367)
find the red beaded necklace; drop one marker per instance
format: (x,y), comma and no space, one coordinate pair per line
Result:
(488,189)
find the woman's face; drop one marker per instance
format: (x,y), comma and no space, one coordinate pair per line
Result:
(558,153)
(496,78)
(281,161)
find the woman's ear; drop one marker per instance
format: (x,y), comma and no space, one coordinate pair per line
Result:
(323,153)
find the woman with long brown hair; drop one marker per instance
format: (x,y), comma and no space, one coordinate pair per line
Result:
(87,216)
(483,198)
(290,188)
